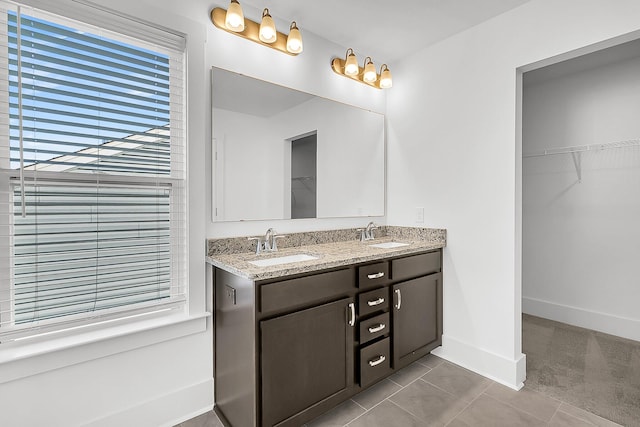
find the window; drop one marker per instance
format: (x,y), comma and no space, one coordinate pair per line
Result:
(92,185)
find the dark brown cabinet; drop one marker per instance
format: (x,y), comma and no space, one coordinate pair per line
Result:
(289,349)
(306,358)
(375,361)
(373,275)
(373,301)
(374,327)
(416,330)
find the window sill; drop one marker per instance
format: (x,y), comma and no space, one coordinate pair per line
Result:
(26,359)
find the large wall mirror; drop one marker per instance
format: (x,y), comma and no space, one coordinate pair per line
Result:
(279,153)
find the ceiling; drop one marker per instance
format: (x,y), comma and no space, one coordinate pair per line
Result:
(386,30)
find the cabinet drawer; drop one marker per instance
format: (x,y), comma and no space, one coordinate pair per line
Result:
(373,274)
(374,362)
(373,301)
(416,265)
(374,327)
(303,290)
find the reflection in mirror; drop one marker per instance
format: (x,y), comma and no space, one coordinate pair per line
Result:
(303,177)
(279,153)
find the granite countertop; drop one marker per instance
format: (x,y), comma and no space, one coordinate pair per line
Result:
(329,255)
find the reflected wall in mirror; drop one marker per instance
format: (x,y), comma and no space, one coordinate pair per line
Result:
(279,153)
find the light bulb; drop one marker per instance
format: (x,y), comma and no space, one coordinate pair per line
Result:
(370,75)
(351,64)
(267,28)
(385,77)
(294,40)
(234,20)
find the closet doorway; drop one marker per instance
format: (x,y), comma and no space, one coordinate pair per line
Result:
(581,191)
(580,230)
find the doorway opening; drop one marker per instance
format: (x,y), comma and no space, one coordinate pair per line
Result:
(304,159)
(579,163)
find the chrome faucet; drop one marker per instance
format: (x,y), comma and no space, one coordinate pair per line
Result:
(367,233)
(259,244)
(268,243)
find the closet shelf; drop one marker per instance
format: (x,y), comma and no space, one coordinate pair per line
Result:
(583,148)
(576,152)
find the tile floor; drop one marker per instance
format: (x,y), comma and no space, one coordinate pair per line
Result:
(584,368)
(433,392)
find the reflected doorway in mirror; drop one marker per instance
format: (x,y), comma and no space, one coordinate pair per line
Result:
(304,154)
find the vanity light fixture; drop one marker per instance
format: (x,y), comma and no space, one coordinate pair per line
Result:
(294,40)
(234,18)
(265,33)
(268,33)
(349,67)
(369,74)
(351,64)
(385,77)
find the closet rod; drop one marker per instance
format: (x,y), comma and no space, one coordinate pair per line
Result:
(583,148)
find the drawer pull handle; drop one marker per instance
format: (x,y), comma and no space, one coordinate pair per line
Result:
(399,299)
(375,302)
(352,311)
(377,361)
(376,275)
(374,329)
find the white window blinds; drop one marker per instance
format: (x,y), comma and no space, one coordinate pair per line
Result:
(92,197)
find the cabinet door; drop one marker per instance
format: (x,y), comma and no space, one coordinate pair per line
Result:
(417,318)
(307,357)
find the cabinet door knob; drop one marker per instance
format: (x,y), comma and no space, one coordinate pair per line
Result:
(352,312)
(375,302)
(376,362)
(374,329)
(376,275)
(399,294)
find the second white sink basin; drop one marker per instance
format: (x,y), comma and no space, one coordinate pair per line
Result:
(288,259)
(389,245)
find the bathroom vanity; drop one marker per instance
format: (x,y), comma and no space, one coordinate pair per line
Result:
(293,340)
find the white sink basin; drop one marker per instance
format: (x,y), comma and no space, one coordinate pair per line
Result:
(389,245)
(268,262)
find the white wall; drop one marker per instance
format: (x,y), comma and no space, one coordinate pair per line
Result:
(249,167)
(581,240)
(453,148)
(350,156)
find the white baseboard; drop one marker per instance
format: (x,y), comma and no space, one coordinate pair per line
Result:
(510,373)
(603,322)
(167,410)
